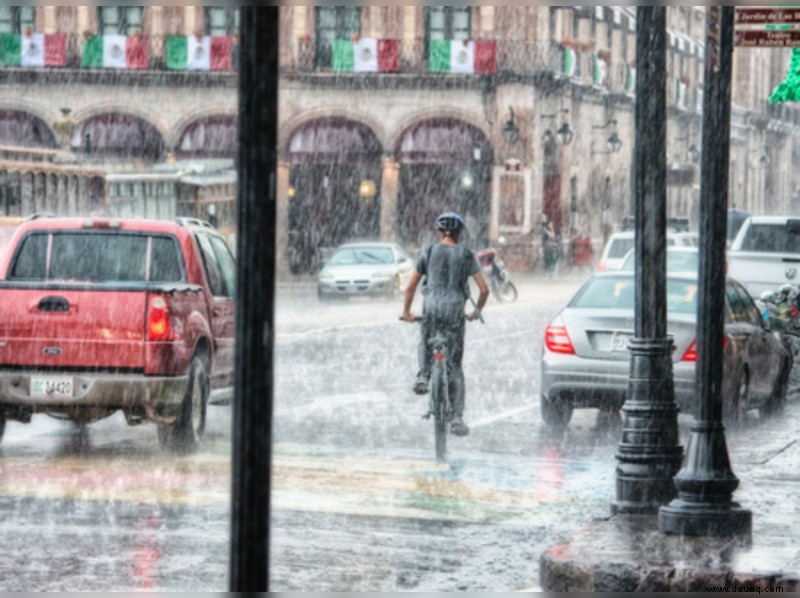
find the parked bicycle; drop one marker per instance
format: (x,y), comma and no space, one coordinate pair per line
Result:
(780,310)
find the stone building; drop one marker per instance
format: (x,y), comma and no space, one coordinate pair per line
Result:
(391,114)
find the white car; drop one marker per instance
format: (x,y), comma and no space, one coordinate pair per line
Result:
(374,269)
(619,244)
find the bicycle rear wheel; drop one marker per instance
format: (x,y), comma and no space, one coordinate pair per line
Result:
(439,398)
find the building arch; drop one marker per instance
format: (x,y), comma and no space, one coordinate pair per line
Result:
(335,175)
(445,165)
(24,129)
(212,136)
(297,122)
(118,135)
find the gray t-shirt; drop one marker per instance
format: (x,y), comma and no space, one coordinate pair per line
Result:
(446,269)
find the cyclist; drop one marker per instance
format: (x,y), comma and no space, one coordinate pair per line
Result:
(446,267)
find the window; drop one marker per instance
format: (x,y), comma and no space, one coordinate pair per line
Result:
(216,281)
(334,22)
(15,19)
(119,20)
(448,22)
(227,265)
(221,20)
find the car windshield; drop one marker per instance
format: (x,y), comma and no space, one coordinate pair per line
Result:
(620,293)
(349,256)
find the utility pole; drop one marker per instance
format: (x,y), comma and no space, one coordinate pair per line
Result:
(649,454)
(706,482)
(255,300)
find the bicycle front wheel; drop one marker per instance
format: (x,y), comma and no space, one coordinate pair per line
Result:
(439,398)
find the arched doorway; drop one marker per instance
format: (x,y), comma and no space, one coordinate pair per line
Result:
(114,136)
(334,188)
(445,165)
(209,137)
(19,128)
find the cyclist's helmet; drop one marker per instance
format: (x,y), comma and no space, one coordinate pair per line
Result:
(449,222)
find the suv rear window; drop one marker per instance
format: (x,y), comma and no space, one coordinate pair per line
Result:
(97,257)
(772,238)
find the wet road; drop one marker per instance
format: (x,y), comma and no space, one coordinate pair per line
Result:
(359,503)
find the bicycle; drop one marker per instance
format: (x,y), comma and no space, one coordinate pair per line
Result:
(440,407)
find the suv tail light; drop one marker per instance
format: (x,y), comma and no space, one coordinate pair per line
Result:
(557,340)
(158,328)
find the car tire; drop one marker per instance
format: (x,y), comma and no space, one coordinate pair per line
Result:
(777,401)
(185,434)
(555,414)
(735,411)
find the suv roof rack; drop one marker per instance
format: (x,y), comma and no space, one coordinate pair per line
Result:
(38,215)
(677,225)
(193,222)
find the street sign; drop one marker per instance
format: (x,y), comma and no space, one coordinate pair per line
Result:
(754,38)
(767,16)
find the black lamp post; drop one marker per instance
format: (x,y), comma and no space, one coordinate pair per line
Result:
(649,454)
(706,483)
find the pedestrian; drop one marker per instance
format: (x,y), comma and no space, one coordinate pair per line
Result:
(550,245)
(445,269)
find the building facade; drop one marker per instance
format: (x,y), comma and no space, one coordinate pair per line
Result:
(392,114)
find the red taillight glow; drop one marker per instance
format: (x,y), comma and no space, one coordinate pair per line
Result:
(557,340)
(158,320)
(691,352)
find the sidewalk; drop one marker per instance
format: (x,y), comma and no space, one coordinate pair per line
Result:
(629,553)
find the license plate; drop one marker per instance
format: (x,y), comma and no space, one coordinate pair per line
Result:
(51,387)
(619,341)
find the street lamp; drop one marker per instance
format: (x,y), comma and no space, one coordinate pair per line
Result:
(614,143)
(510,128)
(564,134)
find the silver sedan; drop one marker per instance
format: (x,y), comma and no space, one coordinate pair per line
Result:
(585,360)
(365,269)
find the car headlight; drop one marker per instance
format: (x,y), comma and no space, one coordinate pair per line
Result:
(383,274)
(325,275)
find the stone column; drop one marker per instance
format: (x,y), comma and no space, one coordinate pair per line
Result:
(26,193)
(72,195)
(390,190)
(282,219)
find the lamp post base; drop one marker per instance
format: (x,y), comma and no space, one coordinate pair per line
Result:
(683,518)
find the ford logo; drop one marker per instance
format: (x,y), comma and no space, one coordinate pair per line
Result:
(791,273)
(51,351)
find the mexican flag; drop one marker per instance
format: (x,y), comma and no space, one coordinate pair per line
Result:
(192,53)
(116,52)
(570,65)
(462,56)
(599,70)
(33,50)
(366,55)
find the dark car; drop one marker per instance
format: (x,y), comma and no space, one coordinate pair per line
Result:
(585,361)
